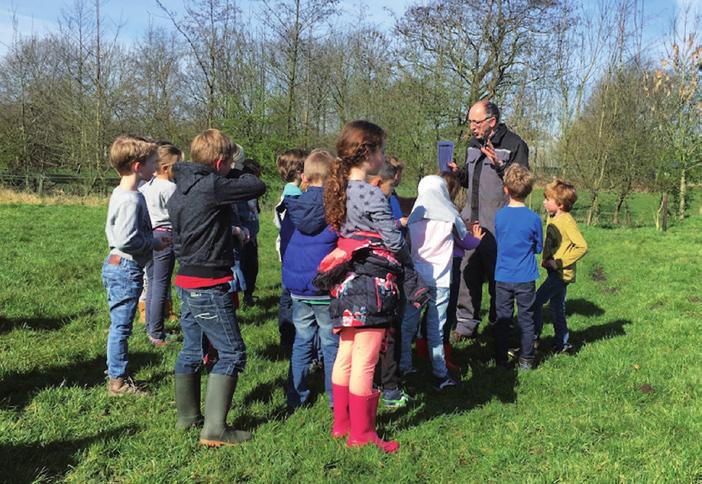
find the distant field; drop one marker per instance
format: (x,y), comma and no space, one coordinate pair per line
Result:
(626,407)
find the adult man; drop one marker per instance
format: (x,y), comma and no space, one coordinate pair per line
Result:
(490,151)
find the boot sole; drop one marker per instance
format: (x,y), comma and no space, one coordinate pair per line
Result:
(218,443)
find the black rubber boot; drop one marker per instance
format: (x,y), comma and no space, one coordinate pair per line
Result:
(220,389)
(187,397)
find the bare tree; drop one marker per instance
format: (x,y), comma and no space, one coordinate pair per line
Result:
(677,84)
(209,28)
(293,25)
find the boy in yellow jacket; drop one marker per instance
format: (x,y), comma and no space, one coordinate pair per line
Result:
(563,247)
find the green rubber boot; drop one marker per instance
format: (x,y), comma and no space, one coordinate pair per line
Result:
(215,433)
(187,396)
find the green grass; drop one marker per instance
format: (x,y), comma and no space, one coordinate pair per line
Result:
(635,317)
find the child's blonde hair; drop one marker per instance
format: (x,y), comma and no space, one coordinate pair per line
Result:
(316,167)
(519,181)
(562,192)
(168,155)
(211,146)
(126,150)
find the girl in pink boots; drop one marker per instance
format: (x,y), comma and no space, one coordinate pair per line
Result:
(362,274)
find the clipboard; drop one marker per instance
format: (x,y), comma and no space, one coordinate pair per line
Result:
(445,154)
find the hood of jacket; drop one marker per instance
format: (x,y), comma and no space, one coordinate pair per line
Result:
(306,211)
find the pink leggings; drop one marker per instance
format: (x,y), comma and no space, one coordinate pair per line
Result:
(356,359)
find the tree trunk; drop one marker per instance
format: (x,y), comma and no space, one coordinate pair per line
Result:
(593,212)
(662,214)
(683,194)
(621,197)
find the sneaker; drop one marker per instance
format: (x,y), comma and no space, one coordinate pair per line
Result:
(513,353)
(395,398)
(525,364)
(441,384)
(117,387)
(166,340)
(567,348)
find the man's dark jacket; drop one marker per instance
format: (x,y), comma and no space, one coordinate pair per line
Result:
(201,214)
(484,180)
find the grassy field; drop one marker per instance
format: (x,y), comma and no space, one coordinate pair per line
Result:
(627,406)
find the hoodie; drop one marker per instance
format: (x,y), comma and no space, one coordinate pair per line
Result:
(311,241)
(201,214)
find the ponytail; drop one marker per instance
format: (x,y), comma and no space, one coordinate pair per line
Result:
(355,143)
(335,193)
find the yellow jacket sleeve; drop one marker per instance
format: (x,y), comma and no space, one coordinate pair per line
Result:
(577,247)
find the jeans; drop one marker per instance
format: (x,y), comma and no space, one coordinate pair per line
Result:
(210,311)
(436,319)
(506,293)
(310,320)
(159,272)
(554,290)
(123,280)
(285,318)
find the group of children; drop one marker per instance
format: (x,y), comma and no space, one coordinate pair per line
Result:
(356,273)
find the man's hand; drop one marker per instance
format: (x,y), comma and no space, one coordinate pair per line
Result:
(240,233)
(162,243)
(489,151)
(403,221)
(452,166)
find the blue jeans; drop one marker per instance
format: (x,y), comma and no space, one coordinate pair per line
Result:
(554,290)
(159,272)
(310,320)
(436,320)
(506,294)
(210,311)
(123,279)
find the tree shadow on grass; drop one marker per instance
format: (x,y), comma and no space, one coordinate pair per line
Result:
(274,352)
(17,389)
(261,393)
(265,309)
(588,335)
(582,307)
(42,323)
(31,462)
(486,381)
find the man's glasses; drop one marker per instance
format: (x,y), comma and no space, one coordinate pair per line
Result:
(473,121)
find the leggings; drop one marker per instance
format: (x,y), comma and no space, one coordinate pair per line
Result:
(356,359)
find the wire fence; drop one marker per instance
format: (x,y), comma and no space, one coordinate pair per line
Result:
(58,183)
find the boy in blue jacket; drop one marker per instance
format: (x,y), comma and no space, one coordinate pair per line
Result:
(311,241)
(519,238)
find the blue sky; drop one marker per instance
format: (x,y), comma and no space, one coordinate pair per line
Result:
(38,16)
